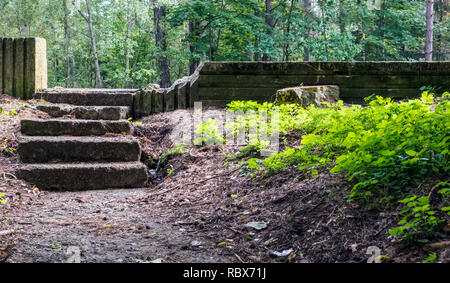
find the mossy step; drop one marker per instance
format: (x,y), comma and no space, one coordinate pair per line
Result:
(88,97)
(84,176)
(78,149)
(86,112)
(37,127)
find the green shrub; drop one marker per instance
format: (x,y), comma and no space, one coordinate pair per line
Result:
(418,222)
(387,148)
(209,133)
(166,156)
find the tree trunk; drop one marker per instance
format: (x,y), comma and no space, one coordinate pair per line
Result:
(308,14)
(440,49)
(324,32)
(193,30)
(286,52)
(88,19)
(341,21)
(270,24)
(429,35)
(68,37)
(161,41)
(127,55)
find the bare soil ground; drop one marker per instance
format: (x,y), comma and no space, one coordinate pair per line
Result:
(193,209)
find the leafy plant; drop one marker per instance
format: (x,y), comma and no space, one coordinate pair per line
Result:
(8,147)
(386,147)
(431,257)
(164,158)
(445,193)
(170,170)
(209,133)
(418,222)
(2,199)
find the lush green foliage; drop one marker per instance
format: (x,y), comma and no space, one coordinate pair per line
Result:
(387,148)
(418,222)
(332,30)
(208,133)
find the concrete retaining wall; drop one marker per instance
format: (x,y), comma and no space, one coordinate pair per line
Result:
(23,66)
(221,82)
(218,83)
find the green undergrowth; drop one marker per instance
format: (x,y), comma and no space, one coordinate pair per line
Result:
(164,159)
(386,149)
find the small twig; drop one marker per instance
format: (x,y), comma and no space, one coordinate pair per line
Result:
(383,228)
(239,258)
(235,231)
(7,232)
(215,176)
(9,174)
(431,192)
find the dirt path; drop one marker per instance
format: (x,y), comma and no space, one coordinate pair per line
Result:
(107,226)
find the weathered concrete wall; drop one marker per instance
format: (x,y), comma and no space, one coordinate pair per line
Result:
(222,82)
(218,83)
(23,66)
(180,95)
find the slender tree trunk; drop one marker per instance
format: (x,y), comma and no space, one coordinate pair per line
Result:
(286,52)
(341,21)
(127,55)
(136,58)
(309,34)
(256,55)
(88,19)
(324,33)
(161,41)
(193,31)
(440,46)
(68,48)
(270,24)
(429,35)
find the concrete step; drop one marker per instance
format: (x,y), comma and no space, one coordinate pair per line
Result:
(36,127)
(84,176)
(86,112)
(88,97)
(78,149)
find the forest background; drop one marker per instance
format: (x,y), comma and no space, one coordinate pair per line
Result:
(129,44)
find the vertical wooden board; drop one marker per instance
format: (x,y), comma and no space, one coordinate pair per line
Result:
(1,65)
(8,68)
(30,67)
(35,65)
(169,99)
(182,98)
(19,68)
(193,92)
(158,100)
(41,63)
(146,106)
(137,102)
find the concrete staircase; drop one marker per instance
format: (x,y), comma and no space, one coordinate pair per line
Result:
(93,151)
